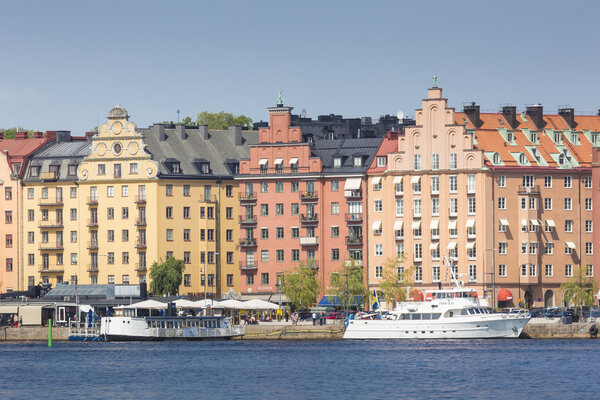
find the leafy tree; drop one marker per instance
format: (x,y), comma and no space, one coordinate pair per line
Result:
(167,276)
(301,285)
(348,282)
(396,279)
(579,290)
(11,133)
(221,120)
(187,121)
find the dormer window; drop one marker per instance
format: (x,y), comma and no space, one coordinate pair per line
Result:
(381,161)
(594,137)
(574,138)
(205,168)
(496,158)
(54,170)
(522,158)
(561,159)
(357,161)
(534,137)
(176,168)
(557,137)
(72,170)
(337,162)
(510,136)
(35,171)
(16,168)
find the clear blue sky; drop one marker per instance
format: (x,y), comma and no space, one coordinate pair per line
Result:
(63,65)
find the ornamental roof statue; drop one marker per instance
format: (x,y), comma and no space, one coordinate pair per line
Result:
(118,112)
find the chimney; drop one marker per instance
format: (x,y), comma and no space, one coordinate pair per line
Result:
(536,114)
(510,115)
(51,135)
(180,130)
(159,130)
(21,135)
(568,114)
(236,134)
(203,131)
(63,136)
(1,135)
(38,135)
(472,112)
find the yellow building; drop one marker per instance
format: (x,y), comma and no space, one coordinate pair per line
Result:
(102,209)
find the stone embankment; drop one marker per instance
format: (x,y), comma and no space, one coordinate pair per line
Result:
(32,333)
(555,330)
(293,332)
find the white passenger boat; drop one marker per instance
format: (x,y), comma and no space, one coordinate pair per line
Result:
(454,313)
(122,328)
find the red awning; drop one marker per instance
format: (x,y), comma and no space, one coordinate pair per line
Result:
(504,295)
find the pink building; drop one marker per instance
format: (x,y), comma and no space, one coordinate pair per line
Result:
(300,202)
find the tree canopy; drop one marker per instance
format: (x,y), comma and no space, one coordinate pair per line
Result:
(220,120)
(301,285)
(10,133)
(396,279)
(580,290)
(167,276)
(348,282)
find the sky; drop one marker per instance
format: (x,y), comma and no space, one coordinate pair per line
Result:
(64,65)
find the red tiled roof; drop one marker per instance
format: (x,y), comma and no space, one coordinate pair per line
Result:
(388,145)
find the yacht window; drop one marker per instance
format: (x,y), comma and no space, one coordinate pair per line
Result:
(436,315)
(477,311)
(426,316)
(415,316)
(471,311)
(450,314)
(464,312)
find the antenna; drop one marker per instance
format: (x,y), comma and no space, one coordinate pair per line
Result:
(178,115)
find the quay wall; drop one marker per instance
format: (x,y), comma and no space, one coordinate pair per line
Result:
(558,330)
(32,333)
(293,332)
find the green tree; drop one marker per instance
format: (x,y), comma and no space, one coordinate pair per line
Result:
(396,279)
(580,290)
(348,282)
(10,133)
(167,276)
(222,120)
(301,285)
(187,121)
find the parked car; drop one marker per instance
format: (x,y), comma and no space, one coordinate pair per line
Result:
(336,315)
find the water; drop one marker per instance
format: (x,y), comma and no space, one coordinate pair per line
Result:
(503,369)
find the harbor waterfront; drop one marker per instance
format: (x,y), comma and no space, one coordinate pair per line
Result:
(303,369)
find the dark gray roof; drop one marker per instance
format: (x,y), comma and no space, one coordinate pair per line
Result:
(61,153)
(193,149)
(327,150)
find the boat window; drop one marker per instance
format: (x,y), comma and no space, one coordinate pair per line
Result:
(415,316)
(464,312)
(426,316)
(471,311)
(478,310)
(436,315)
(450,314)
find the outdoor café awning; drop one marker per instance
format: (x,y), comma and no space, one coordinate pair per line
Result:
(376,225)
(376,180)
(263,161)
(148,304)
(397,179)
(504,295)
(352,184)
(570,245)
(398,225)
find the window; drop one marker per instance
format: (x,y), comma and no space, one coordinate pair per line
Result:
(523,269)
(111,279)
(110,191)
(381,161)
(264,256)
(472,272)
(377,186)
(453,183)
(229,257)
(588,182)
(337,162)
(73,236)
(31,215)
(378,271)
(548,248)
(101,169)
(568,182)
(453,206)
(117,170)
(418,254)
(8,193)
(471,183)
(453,161)
(125,213)
(169,235)
(279,232)
(502,270)
(568,270)
(187,280)
(279,187)
(588,204)
(528,181)
(335,231)
(210,235)
(568,204)
(589,270)
(435,184)
(589,248)
(379,249)
(435,161)
(378,205)
(186,212)
(418,273)
(30,193)
(548,182)
(265,278)
(210,212)
(280,257)
(417,207)
(435,206)
(295,232)
(264,233)
(264,209)
(548,203)
(110,213)
(295,186)
(295,208)
(502,248)
(532,203)
(110,234)
(279,209)
(502,203)
(30,237)
(8,240)
(8,217)
(568,225)
(588,226)
(335,185)
(168,190)
(501,180)
(399,207)
(568,249)
(250,279)
(335,254)
(532,270)
(186,235)
(435,273)
(471,205)
(111,257)
(417,162)
(295,255)
(357,161)
(229,235)
(133,168)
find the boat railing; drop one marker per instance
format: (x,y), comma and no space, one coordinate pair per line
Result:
(197,332)
(84,330)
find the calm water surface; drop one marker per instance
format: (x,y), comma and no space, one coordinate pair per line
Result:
(506,369)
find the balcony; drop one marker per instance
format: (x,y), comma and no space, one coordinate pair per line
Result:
(309,196)
(140,267)
(354,240)
(353,194)
(309,241)
(51,224)
(51,246)
(140,222)
(140,244)
(92,223)
(248,242)
(247,219)
(354,218)
(47,269)
(93,245)
(48,176)
(309,218)
(58,202)
(140,199)
(249,197)
(92,268)
(92,200)
(245,266)
(535,189)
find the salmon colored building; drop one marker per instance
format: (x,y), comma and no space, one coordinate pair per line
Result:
(507,198)
(13,159)
(300,202)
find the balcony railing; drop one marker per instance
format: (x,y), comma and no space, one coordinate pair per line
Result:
(51,269)
(245,266)
(353,194)
(248,242)
(92,268)
(92,222)
(140,244)
(309,196)
(535,189)
(354,218)
(248,196)
(51,202)
(354,240)
(51,246)
(309,218)
(93,245)
(247,219)
(140,199)
(140,222)
(140,267)
(309,241)
(92,200)
(50,224)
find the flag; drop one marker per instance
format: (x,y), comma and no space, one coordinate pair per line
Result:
(375,301)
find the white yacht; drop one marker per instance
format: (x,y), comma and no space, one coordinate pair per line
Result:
(453,313)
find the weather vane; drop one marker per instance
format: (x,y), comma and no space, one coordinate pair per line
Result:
(279,98)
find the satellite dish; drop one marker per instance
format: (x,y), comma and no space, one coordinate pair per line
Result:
(303,113)
(400,115)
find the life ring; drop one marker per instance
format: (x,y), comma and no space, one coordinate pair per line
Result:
(593,331)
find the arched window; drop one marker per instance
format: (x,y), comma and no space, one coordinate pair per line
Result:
(523,158)
(496,158)
(561,159)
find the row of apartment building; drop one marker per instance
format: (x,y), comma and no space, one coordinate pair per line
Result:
(505,199)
